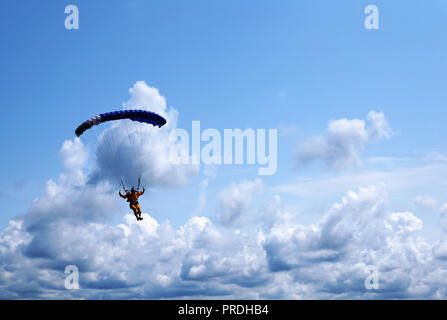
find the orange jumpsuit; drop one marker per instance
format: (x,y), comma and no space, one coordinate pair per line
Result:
(132,198)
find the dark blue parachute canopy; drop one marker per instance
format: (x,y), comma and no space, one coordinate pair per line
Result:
(135,115)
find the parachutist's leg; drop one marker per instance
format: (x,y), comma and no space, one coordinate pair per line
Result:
(139,211)
(135,211)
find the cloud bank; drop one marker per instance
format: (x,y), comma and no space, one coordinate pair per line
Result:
(280,259)
(252,247)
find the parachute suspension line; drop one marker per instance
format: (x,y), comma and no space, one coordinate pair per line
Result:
(124,187)
(117,141)
(100,142)
(115,137)
(132,134)
(103,154)
(126,133)
(136,142)
(115,144)
(143,166)
(137,139)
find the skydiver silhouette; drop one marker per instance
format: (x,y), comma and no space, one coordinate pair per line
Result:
(132,198)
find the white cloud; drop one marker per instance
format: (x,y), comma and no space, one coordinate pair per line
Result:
(378,126)
(404,222)
(396,179)
(270,257)
(332,254)
(74,155)
(340,146)
(209,173)
(282,259)
(145,97)
(443,217)
(235,202)
(425,202)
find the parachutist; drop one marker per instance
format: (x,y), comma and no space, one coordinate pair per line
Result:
(141,116)
(132,198)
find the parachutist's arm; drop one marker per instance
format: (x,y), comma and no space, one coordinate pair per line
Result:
(141,192)
(122,196)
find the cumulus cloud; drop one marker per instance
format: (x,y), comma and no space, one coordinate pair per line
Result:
(332,254)
(151,259)
(425,202)
(68,225)
(235,202)
(340,146)
(271,257)
(74,155)
(209,173)
(129,260)
(282,259)
(443,217)
(149,98)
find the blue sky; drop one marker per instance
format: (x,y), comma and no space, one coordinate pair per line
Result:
(294,65)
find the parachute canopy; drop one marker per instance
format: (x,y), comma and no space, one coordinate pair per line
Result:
(135,115)
(123,149)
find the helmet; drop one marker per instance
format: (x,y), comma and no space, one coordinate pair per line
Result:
(133,189)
